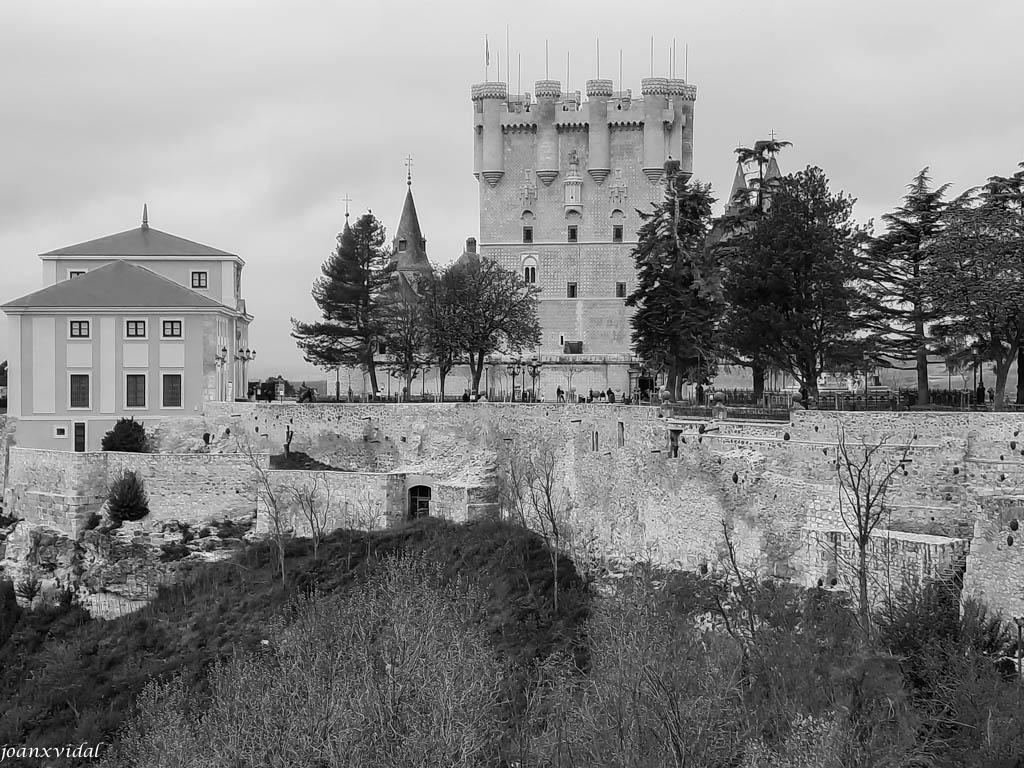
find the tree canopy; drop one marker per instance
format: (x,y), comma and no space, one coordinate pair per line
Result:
(677,297)
(352,296)
(482,308)
(899,307)
(790,280)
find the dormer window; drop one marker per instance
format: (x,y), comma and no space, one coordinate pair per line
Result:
(402,245)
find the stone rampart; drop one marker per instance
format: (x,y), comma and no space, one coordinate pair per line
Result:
(61,489)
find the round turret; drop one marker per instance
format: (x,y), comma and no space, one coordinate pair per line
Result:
(547,91)
(597,88)
(491,97)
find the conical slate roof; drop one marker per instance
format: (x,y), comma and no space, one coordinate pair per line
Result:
(410,247)
(118,284)
(739,183)
(773,171)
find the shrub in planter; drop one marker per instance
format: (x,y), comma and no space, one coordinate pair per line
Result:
(127,499)
(127,435)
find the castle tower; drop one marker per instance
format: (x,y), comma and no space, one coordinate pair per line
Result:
(560,180)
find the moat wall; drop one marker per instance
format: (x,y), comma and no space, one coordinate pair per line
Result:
(635,486)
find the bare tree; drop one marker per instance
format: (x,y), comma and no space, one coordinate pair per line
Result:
(533,496)
(268,495)
(864,473)
(314,502)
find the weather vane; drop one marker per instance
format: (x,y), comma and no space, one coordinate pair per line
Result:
(408,170)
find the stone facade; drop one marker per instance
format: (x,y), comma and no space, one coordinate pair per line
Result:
(561,180)
(633,485)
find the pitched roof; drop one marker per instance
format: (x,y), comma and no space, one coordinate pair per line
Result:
(414,257)
(118,284)
(141,241)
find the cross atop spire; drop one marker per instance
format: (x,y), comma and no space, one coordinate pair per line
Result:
(145,216)
(408,170)
(771,134)
(346,200)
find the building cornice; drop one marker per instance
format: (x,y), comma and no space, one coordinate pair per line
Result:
(223,310)
(196,257)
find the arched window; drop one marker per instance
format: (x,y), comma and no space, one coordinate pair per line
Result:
(527,218)
(618,225)
(419,501)
(530,269)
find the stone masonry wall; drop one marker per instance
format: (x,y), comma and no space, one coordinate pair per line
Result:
(189,488)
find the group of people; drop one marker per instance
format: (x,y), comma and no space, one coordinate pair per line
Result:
(607,396)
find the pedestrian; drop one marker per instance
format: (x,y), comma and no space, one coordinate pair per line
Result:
(465,395)
(560,395)
(611,395)
(991,395)
(979,395)
(700,394)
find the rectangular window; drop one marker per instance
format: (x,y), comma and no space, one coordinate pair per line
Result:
(620,290)
(75,273)
(616,233)
(79,329)
(135,390)
(527,234)
(596,445)
(79,390)
(200,280)
(570,290)
(622,434)
(171,390)
(135,329)
(574,233)
(79,437)
(172,329)
(60,432)
(402,245)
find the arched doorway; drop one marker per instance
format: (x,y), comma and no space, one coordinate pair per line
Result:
(419,501)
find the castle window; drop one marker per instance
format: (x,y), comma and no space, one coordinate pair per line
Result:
(171,329)
(620,290)
(402,245)
(78,390)
(135,390)
(573,234)
(570,290)
(527,234)
(616,233)
(171,391)
(530,270)
(135,329)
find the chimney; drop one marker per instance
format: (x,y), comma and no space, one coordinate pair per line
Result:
(470,245)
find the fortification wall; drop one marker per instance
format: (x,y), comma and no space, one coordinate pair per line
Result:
(61,489)
(636,485)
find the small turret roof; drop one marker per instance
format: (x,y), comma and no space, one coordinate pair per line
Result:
(414,256)
(739,182)
(773,171)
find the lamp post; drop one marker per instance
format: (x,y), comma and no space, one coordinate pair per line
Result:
(534,367)
(245,356)
(514,369)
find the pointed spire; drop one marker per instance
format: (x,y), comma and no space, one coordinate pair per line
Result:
(145,216)
(738,191)
(772,171)
(410,247)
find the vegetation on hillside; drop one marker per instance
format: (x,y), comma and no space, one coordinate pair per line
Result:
(441,644)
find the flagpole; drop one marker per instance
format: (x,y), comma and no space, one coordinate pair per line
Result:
(487,59)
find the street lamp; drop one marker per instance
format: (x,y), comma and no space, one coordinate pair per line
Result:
(221,359)
(534,367)
(514,369)
(245,356)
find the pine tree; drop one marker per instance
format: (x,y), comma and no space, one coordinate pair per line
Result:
(899,309)
(790,277)
(351,295)
(127,498)
(677,297)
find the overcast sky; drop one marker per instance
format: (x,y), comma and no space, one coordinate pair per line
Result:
(243,124)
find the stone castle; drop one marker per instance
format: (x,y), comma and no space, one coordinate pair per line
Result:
(560,181)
